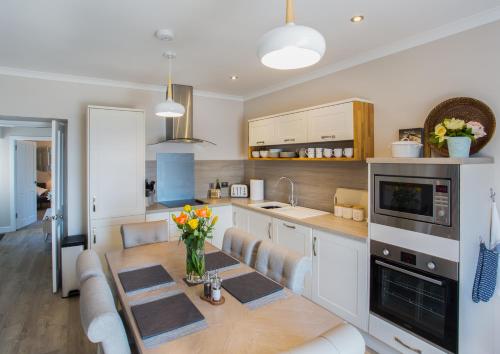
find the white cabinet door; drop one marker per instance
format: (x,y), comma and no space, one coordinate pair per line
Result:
(225,214)
(158,216)
(260,225)
(340,281)
(116,155)
(297,238)
(292,128)
(262,132)
(332,123)
(240,218)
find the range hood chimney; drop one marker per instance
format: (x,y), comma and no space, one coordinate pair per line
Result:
(180,130)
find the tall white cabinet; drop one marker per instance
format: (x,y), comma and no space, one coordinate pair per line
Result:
(115,167)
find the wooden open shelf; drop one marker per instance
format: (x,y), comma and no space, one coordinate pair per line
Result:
(329,159)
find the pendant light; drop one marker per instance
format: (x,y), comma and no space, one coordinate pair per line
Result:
(169,108)
(291,46)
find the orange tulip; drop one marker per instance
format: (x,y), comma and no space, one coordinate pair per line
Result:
(181,219)
(201,213)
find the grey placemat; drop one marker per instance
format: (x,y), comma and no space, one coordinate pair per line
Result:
(166,318)
(219,261)
(250,287)
(146,278)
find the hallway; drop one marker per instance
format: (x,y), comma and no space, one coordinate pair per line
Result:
(32,319)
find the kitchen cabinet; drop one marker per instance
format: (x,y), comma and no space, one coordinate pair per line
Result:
(262,132)
(225,222)
(260,225)
(297,238)
(340,276)
(240,218)
(292,128)
(332,123)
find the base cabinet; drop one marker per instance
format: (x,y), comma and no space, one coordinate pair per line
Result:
(257,224)
(240,218)
(340,282)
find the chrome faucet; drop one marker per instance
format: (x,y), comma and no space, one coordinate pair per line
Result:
(291,196)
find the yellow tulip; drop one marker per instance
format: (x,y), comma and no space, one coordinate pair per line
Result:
(187,208)
(193,224)
(214,220)
(209,212)
(440,130)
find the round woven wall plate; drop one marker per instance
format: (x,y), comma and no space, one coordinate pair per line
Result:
(466,108)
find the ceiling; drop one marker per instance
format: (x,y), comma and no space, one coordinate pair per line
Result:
(214,39)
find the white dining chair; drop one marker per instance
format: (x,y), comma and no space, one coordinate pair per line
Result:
(241,245)
(144,233)
(100,320)
(343,339)
(282,265)
(88,265)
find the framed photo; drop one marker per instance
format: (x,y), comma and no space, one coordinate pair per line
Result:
(412,134)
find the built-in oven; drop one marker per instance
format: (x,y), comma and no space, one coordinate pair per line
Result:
(416,292)
(421,198)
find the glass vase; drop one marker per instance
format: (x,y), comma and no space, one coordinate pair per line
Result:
(195,265)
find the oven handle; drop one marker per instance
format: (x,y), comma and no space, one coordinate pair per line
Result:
(413,274)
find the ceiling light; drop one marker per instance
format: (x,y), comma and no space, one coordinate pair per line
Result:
(234,77)
(169,108)
(357,18)
(291,46)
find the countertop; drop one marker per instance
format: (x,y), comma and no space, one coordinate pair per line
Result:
(327,223)
(433,160)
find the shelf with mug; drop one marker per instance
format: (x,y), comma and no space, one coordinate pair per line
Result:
(341,151)
(329,159)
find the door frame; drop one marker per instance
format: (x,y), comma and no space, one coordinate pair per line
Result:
(12,177)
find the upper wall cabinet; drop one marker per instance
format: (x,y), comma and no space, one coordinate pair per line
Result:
(292,128)
(332,123)
(262,132)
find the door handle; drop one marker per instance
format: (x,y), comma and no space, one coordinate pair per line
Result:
(289,226)
(410,273)
(93,203)
(94,234)
(399,341)
(314,247)
(269,231)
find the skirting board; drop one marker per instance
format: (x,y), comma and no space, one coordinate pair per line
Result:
(5,229)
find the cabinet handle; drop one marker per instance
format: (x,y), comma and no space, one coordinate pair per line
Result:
(269,231)
(328,137)
(289,226)
(260,142)
(289,140)
(93,203)
(234,218)
(314,246)
(407,346)
(94,234)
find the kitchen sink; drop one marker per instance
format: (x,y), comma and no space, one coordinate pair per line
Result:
(270,205)
(287,210)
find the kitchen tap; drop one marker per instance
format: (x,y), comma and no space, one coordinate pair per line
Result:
(291,196)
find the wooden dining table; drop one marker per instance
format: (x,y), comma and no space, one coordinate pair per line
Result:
(232,327)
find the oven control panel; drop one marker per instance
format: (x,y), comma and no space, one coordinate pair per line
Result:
(442,202)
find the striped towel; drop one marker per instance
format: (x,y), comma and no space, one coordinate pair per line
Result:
(486,274)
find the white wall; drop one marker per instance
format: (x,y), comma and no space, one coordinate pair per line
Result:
(53,99)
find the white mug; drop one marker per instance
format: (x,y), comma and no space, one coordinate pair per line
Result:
(348,152)
(310,153)
(337,152)
(327,152)
(319,153)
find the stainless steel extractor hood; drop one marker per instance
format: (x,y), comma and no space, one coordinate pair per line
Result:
(180,130)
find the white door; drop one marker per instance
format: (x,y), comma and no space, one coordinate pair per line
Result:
(262,132)
(225,221)
(292,128)
(240,218)
(25,182)
(332,123)
(58,197)
(260,225)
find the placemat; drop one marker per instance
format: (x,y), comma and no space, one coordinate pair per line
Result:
(219,261)
(165,318)
(250,287)
(146,278)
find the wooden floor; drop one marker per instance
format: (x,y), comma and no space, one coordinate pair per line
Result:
(32,319)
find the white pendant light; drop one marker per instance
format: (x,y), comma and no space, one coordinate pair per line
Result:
(291,46)
(169,108)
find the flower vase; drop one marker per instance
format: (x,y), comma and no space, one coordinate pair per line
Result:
(459,146)
(195,265)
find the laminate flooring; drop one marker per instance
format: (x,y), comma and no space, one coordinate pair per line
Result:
(32,319)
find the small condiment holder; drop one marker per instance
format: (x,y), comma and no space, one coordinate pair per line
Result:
(212,289)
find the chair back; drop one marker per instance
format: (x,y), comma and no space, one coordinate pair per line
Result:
(241,245)
(282,265)
(88,265)
(100,320)
(144,233)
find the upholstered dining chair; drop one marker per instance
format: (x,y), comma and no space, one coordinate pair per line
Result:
(241,245)
(343,339)
(88,265)
(282,265)
(99,317)
(144,233)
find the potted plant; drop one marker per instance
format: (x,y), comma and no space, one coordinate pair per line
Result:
(196,225)
(458,135)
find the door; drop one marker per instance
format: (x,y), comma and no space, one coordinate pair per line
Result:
(332,123)
(25,181)
(58,197)
(260,225)
(262,132)
(340,276)
(224,222)
(240,218)
(292,128)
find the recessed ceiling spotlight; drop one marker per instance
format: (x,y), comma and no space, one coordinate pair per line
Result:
(357,18)
(234,77)
(165,35)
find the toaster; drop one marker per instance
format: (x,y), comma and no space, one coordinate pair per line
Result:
(239,191)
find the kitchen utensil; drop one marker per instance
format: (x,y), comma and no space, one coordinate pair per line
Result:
(327,152)
(319,153)
(347,211)
(288,154)
(337,152)
(264,153)
(348,152)
(358,213)
(257,189)
(255,154)
(406,148)
(302,152)
(239,191)
(310,153)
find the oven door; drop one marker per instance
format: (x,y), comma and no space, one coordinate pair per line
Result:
(422,303)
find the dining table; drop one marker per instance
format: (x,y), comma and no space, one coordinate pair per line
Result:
(232,327)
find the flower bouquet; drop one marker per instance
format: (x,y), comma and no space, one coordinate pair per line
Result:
(458,135)
(196,225)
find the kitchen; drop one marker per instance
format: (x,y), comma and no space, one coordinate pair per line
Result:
(401,82)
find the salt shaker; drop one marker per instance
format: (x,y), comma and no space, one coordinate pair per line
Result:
(216,288)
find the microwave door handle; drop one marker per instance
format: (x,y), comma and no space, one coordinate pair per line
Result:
(407,272)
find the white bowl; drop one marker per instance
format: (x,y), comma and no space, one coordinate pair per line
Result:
(264,153)
(255,154)
(406,149)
